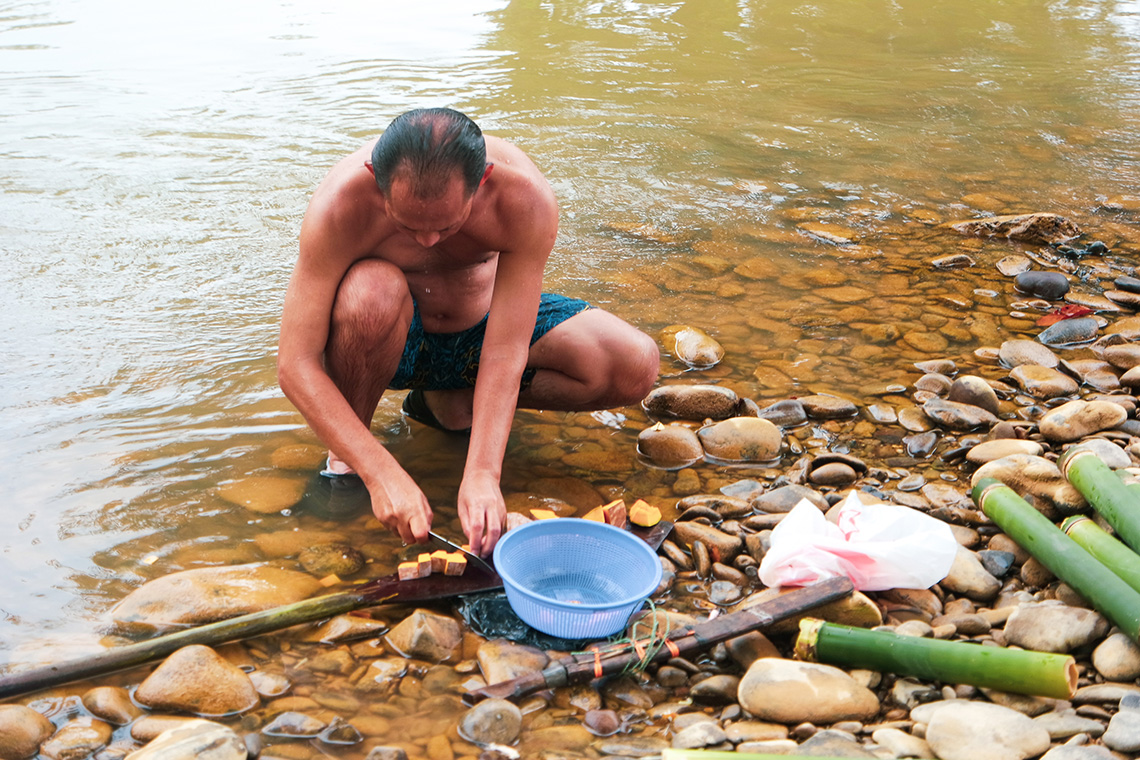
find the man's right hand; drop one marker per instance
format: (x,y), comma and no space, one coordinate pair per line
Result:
(401,507)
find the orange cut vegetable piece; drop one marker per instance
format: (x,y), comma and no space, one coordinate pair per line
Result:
(543,514)
(456,564)
(439,560)
(597,514)
(614,513)
(644,514)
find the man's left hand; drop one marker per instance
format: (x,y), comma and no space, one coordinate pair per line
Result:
(482,512)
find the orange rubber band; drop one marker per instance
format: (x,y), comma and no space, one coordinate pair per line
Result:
(673,650)
(597,662)
(637,647)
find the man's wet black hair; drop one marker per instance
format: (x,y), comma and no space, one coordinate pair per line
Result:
(430,144)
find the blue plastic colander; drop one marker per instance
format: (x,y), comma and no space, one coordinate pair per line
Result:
(575,578)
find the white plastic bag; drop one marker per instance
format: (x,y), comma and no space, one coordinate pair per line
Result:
(877,546)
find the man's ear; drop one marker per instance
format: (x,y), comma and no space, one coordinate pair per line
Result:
(486,173)
(368,166)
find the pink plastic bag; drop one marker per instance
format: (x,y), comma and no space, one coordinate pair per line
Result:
(877,546)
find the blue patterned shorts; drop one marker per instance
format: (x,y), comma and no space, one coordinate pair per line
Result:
(447,361)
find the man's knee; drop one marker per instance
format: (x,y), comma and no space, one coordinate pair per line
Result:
(635,368)
(372,294)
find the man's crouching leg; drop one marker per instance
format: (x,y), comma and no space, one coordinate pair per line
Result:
(593,360)
(368,328)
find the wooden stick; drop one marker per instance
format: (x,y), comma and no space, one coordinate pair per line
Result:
(584,666)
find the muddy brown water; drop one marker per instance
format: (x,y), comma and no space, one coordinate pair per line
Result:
(771,172)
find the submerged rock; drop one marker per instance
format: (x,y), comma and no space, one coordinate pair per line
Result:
(425,635)
(1048,285)
(1026,228)
(670,446)
(741,439)
(692,402)
(492,721)
(207,594)
(196,679)
(22,731)
(78,738)
(692,346)
(194,740)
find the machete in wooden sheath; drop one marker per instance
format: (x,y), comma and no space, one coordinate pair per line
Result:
(614,658)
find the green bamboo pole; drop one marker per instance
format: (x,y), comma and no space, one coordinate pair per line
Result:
(1116,502)
(1018,671)
(1110,552)
(131,655)
(1033,532)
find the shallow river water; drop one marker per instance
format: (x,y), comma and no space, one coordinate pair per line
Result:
(771,172)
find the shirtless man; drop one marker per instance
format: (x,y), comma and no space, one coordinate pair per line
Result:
(415,253)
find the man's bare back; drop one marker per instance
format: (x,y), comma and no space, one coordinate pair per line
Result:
(441,236)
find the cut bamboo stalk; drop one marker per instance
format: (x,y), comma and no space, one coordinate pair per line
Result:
(1039,674)
(1033,532)
(1110,552)
(1110,497)
(120,658)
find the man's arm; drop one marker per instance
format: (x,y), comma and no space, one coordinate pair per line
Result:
(329,248)
(506,346)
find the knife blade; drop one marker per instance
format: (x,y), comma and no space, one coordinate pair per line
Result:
(452,546)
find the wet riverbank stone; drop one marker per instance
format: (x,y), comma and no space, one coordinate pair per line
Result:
(492,721)
(425,635)
(208,594)
(1070,331)
(692,402)
(1014,353)
(1043,382)
(725,545)
(1054,627)
(112,704)
(22,731)
(1051,286)
(264,494)
(194,740)
(821,407)
(741,439)
(196,679)
(79,737)
(1077,419)
(988,451)
(1117,658)
(502,660)
(1041,227)
(975,391)
(692,346)
(968,577)
(1037,477)
(670,446)
(958,417)
(1123,734)
(792,692)
(960,730)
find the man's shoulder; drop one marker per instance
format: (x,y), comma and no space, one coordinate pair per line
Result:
(520,191)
